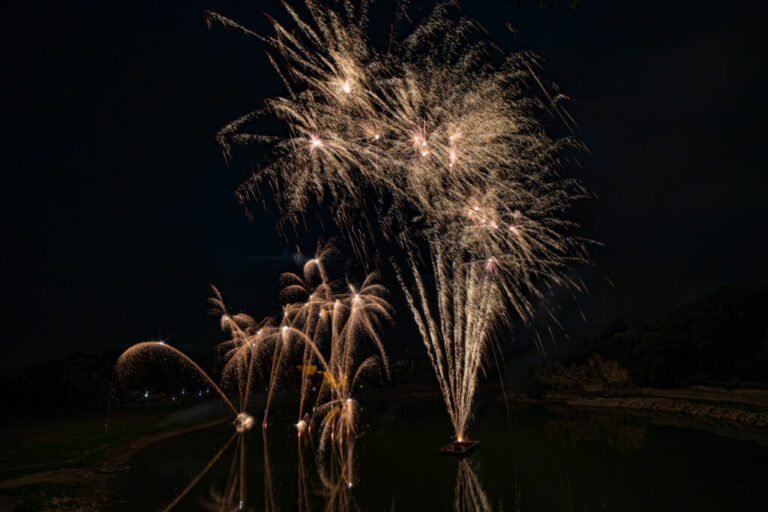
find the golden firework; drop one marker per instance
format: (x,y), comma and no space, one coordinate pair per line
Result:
(449,138)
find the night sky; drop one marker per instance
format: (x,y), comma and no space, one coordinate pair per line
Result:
(118,208)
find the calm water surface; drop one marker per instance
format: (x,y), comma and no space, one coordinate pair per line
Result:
(534,459)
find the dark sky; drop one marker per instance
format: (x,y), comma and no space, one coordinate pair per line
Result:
(118,208)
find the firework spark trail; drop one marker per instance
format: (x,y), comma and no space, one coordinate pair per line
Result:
(128,359)
(248,339)
(353,315)
(330,324)
(453,145)
(282,338)
(251,341)
(311,318)
(469,300)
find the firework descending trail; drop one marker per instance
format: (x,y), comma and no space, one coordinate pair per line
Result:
(333,323)
(139,353)
(326,323)
(449,136)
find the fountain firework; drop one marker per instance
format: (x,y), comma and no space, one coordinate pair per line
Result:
(469,299)
(448,137)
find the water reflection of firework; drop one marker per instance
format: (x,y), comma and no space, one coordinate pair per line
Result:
(335,469)
(469,495)
(324,479)
(200,475)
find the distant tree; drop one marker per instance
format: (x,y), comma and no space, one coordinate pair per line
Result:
(720,340)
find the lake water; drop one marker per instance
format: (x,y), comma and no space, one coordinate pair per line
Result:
(531,459)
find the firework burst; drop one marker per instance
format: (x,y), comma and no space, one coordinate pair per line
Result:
(446,133)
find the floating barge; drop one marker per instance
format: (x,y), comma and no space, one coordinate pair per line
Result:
(460,448)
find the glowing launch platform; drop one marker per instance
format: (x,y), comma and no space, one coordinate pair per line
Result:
(460,448)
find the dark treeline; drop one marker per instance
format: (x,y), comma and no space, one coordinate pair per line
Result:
(721,340)
(81,382)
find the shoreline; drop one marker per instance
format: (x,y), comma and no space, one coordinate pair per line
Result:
(745,410)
